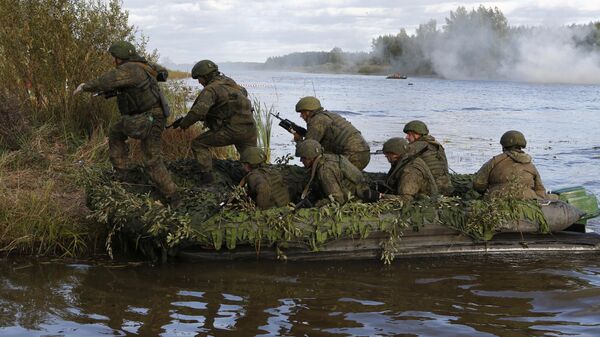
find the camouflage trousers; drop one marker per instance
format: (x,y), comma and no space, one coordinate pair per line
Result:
(359,159)
(148,128)
(241,136)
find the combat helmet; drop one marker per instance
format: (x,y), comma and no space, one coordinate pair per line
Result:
(308,103)
(513,138)
(309,149)
(253,156)
(122,49)
(395,145)
(416,126)
(203,68)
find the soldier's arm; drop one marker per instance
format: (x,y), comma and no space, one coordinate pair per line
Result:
(260,186)
(329,181)
(316,128)
(410,184)
(120,77)
(481,178)
(538,186)
(205,100)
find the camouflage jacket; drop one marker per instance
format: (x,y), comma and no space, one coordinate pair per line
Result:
(134,83)
(335,133)
(335,176)
(435,158)
(266,188)
(511,173)
(408,180)
(221,102)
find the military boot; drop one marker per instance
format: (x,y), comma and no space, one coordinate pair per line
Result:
(123,175)
(175,200)
(206,178)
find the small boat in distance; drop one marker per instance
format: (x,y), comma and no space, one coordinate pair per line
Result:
(396,76)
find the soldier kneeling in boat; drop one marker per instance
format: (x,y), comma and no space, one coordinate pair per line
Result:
(265,185)
(409,177)
(333,132)
(511,173)
(431,151)
(332,175)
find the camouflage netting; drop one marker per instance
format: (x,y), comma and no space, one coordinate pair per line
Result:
(138,218)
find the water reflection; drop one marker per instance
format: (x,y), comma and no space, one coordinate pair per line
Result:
(474,297)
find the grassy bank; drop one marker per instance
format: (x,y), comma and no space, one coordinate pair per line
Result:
(42,199)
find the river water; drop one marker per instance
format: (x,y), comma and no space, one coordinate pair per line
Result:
(474,296)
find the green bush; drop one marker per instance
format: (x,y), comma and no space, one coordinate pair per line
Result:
(48,47)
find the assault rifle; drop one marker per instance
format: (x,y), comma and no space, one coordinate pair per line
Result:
(376,152)
(290,126)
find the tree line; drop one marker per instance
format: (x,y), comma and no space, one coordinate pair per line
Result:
(476,43)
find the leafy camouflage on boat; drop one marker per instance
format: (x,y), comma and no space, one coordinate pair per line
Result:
(139,220)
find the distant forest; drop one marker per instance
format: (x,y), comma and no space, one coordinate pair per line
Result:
(476,43)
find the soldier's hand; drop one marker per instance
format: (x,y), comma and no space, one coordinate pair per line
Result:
(297,137)
(79,89)
(185,123)
(176,123)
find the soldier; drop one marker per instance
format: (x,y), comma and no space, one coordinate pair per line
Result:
(143,113)
(265,185)
(225,109)
(332,174)
(409,177)
(510,173)
(432,153)
(335,133)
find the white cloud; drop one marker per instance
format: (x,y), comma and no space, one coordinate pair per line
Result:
(234,30)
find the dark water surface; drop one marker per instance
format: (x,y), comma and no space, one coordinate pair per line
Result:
(515,296)
(512,296)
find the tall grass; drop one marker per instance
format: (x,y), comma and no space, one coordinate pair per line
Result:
(264,124)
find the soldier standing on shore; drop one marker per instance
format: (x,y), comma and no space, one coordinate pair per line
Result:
(143,114)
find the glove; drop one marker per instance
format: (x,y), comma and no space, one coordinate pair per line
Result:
(79,89)
(370,195)
(304,203)
(184,123)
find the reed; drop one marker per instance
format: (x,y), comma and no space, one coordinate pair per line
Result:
(264,124)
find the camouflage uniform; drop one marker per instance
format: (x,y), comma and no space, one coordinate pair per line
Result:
(141,118)
(409,180)
(335,176)
(494,177)
(225,109)
(435,158)
(338,136)
(266,187)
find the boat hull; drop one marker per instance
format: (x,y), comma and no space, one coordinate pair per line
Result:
(429,241)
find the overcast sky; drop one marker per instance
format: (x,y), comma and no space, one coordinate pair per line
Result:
(252,30)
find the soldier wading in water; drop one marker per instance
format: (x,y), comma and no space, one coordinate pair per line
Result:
(432,153)
(511,172)
(143,114)
(225,109)
(335,133)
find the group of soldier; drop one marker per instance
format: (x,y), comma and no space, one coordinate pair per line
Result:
(333,151)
